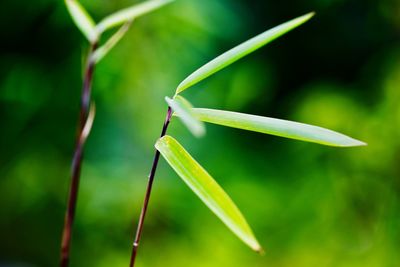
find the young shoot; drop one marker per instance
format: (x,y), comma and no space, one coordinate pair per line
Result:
(192,173)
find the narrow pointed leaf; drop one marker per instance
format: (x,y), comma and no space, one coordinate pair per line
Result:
(284,128)
(207,189)
(103,50)
(240,51)
(82,20)
(182,108)
(130,13)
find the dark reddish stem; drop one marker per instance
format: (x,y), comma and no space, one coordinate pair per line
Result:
(139,229)
(77,160)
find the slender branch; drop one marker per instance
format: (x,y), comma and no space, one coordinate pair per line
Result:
(77,159)
(152,174)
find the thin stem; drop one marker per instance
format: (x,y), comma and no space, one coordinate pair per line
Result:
(77,160)
(152,174)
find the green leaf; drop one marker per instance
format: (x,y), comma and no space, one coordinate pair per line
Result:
(240,51)
(103,50)
(284,128)
(82,20)
(182,109)
(130,13)
(207,189)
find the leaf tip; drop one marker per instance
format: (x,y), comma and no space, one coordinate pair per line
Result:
(356,142)
(311,14)
(260,251)
(255,246)
(306,17)
(351,142)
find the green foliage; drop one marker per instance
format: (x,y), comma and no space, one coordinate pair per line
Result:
(130,13)
(104,49)
(125,16)
(192,173)
(82,20)
(309,205)
(207,189)
(283,128)
(183,109)
(240,51)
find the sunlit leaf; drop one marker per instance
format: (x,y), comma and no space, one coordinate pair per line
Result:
(240,51)
(284,128)
(103,50)
(207,189)
(82,20)
(130,13)
(182,109)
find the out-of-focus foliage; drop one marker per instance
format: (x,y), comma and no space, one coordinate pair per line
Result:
(183,109)
(308,205)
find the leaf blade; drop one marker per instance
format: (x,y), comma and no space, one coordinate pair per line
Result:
(240,51)
(182,109)
(278,127)
(130,13)
(103,50)
(82,20)
(207,189)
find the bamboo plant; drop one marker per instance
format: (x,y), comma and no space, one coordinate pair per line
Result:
(191,172)
(187,168)
(97,51)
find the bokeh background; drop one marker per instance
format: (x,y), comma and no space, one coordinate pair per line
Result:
(309,205)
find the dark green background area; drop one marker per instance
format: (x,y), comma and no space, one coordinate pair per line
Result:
(309,205)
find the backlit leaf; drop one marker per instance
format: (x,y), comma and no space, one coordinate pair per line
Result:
(240,51)
(284,128)
(207,189)
(82,20)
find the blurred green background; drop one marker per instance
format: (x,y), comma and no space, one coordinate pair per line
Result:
(309,205)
